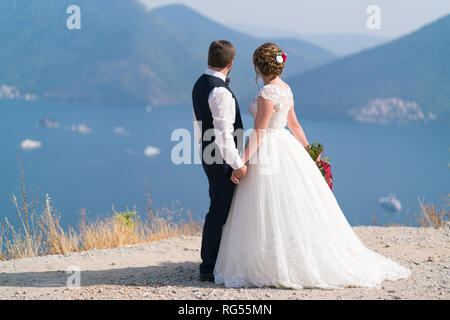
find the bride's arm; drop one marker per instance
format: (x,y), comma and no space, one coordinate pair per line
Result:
(263,115)
(295,127)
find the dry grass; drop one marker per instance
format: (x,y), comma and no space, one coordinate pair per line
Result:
(117,231)
(41,233)
(374,220)
(434,214)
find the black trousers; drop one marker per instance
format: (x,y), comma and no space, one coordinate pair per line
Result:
(221,191)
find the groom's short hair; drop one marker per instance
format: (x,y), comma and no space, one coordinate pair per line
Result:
(221,53)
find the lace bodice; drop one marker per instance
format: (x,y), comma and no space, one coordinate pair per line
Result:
(282,99)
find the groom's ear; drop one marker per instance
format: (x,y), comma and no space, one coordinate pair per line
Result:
(231,64)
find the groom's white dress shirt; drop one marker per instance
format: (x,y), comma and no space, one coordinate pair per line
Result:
(223,110)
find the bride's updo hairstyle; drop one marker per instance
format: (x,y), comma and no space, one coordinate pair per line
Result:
(265,58)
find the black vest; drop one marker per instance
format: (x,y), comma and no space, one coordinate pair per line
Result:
(200,94)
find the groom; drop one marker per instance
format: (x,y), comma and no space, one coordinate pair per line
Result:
(218,120)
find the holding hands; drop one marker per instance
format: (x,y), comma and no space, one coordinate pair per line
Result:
(238,174)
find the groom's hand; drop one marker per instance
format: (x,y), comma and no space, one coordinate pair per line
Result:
(238,174)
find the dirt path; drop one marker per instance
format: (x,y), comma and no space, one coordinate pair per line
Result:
(168,270)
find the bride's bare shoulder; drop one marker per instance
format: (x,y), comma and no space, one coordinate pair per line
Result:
(284,84)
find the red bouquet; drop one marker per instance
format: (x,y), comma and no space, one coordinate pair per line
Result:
(324,165)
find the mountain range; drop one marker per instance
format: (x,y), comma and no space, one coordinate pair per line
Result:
(124,54)
(411,71)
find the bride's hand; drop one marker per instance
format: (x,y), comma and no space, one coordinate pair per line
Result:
(318,158)
(234,179)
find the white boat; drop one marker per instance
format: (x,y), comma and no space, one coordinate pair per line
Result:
(390,203)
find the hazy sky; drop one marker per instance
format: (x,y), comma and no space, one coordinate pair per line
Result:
(398,17)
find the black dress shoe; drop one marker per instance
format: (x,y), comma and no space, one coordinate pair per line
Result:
(207,277)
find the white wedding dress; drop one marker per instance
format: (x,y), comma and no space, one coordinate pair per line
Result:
(285,227)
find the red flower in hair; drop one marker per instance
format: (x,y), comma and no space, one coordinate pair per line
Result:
(284,56)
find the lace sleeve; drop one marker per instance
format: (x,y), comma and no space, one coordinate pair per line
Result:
(269,93)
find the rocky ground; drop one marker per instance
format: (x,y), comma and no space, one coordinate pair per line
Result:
(168,270)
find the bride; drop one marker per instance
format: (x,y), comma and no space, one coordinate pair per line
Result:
(285,227)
